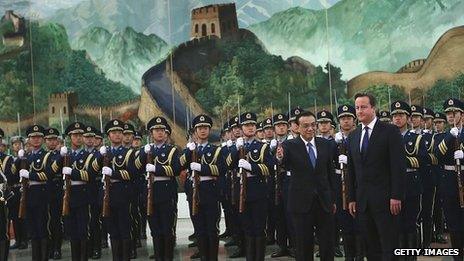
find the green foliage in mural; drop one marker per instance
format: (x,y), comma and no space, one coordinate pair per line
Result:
(443,90)
(57,68)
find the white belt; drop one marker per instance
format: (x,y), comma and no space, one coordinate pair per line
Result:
(449,167)
(155,178)
(114,180)
(77,182)
(33,182)
(206,178)
(289,173)
(338,171)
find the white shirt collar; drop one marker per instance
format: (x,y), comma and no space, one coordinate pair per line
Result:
(371,124)
(312,141)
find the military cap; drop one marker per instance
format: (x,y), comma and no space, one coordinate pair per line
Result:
(400,107)
(51,133)
(260,125)
(384,116)
(267,123)
(439,117)
(234,122)
(157,123)
(346,110)
(428,113)
(114,125)
(417,111)
(248,118)
(280,118)
(89,131)
(98,134)
(16,139)
(324,116)
(2,133)
(138,135)
(202,120)
(225,127)
(168,129)
(453,104)
(75,128)
(294,113)
(35,130)
(128,128)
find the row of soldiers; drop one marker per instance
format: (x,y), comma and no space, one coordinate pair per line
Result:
(119,187)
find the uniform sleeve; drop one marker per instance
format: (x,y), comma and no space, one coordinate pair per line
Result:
(331,170)
(266,162)
(172,167)
(185,158)
(445,148)
(9,169)
(351,175)
(216,167)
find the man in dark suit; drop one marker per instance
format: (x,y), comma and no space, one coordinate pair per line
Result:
(311,199)
(377,172)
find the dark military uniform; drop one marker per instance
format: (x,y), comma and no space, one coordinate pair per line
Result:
(55,198)
(7,172)
(141,184)
(224,191)
(207,219)
(416,156)
(254,214)
(444,150)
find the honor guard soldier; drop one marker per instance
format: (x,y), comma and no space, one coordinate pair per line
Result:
(429,116)
(224,186)
(353,241)
(254,161)
(269,135)
(138,140)
(79,168)
(260,131)
(35,167)
(141,184)
(8,179)
(268,130)
(55,193)
(279,198)
(162,168)
(292,122)
(206,163)
(439,125)
(119,167)
(384,116)
(417,118)
(416,158)
(450,155)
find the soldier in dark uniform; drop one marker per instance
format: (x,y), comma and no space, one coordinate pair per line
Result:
(38,171)
(164,168)
(141,184)
(384,116)
(224,186)
(416,158)
(256,166)
(209,166)
(439,123)
(19,225)
(268,130)
(280,124)
(292,122)
(353,241)
(259,130)
(121,173)
(55,193)
(98,142)
(81,170)
(8,177)
(449,153)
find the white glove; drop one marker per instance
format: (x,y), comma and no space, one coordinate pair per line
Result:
(239,143)
(191,146)
(229,143)
(426,131)
(244,164)
(150,168)
(67,171)
(195,166)
(290,137)
(454,131)
(273,144)
(224,144)
(459,154)
(343,159)
(147,148)
(338,137)
(23,173)
(103,150)
(21,153)
(63,151)
(107,171)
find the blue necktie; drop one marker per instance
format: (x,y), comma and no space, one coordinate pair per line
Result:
(312,156)
(365,141)
(200,148)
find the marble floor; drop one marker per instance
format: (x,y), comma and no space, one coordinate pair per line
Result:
(184,229)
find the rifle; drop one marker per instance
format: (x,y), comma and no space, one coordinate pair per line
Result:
(342,150)
(24,186)
(106,180)
(457,146)
(67,186)
(243,182)
(150,187)
(278,184)
(196,186)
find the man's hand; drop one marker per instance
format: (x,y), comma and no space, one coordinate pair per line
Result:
(280,153)
(352,208)
(395,206)
(334,208)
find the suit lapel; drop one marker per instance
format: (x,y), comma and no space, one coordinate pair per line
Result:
(357,140)
(373,138)
(303,152)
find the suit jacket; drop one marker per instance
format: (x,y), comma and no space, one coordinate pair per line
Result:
(307,183)
(378,176)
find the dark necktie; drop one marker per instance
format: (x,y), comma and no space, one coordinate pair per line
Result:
(365,141)
(312,155)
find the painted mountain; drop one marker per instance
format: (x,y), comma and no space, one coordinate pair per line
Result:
(149,16)
(364,35)
(123,55)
